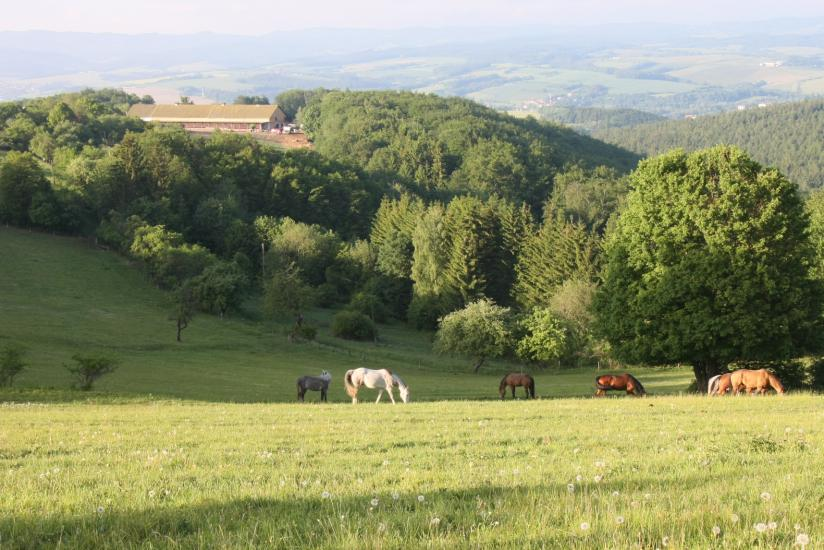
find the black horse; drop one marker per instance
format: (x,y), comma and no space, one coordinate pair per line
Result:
(314,383)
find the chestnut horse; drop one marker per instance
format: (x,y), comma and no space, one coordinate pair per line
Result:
(755,381)
(620,382)
(515,379)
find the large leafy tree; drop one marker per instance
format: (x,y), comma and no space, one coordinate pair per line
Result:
(709,263)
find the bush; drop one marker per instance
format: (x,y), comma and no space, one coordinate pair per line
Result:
(351,325)
(480,330)
(370,305)
(89,368)
(303,332)
(11,363)
(544,339)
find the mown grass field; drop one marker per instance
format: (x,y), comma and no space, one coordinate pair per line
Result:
(198,445)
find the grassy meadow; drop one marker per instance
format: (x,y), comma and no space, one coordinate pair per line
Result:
(199,444)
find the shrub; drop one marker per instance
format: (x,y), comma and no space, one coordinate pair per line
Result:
(303,332)
(544,338)
(370,305)
(352,325)
(89,368)
(11,363)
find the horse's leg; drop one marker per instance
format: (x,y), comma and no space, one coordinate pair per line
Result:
(323,395)
(380,393)
(391,397)
(513,392)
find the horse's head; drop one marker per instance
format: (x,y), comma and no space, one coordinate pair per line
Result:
(325,375)
(404,391)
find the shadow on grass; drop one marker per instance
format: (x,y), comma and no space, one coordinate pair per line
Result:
(315,521)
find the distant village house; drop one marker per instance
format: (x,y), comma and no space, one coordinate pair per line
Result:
(237,118)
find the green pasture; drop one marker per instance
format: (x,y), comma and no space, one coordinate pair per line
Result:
(61,296)
(551,473)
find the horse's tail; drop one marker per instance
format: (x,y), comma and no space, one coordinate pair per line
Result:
(712,387)
(349,385)
(638,384)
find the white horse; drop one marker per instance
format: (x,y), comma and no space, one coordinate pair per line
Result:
(382,379)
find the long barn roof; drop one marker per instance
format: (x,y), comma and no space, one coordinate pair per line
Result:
(199,113)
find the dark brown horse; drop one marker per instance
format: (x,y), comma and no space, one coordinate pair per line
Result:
(621,382)
(515,379)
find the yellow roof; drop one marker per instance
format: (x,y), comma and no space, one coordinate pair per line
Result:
(199,113)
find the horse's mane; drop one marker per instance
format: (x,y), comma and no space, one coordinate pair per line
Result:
(775,382)
(397,379)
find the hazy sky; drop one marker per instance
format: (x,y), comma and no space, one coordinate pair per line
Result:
(263,16)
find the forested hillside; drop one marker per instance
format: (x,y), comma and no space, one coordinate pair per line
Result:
(451,145)
(788,136)
(590,119)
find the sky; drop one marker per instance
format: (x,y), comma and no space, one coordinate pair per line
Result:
(255,17)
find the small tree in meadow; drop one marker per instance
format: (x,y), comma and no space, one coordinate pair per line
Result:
(544,339)
(480,330)
(11,364)
(88,368)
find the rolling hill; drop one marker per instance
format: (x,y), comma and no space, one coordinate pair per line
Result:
(787,136)
(62,296)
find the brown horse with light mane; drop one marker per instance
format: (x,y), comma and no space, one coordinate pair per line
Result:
(515,379)
(755,381)
(719,384)
(621,382)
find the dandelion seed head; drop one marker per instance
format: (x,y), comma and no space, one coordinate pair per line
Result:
(772,525)
(734,518)
(579,478)
(100,510)
(435,522)
(381,528)
(421,498)
(647,496)
(584,526)
(802,539)
(716,530)
(615,493)
(619,520)
(396,495)
(151,494)
(570,487)
(766,496)
(325,494)
(760,527)
(665,541)
(598,479)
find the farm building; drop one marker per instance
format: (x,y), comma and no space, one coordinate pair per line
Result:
(238,118)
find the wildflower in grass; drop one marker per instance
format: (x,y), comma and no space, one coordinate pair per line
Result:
(325,495)
(584,526)
(381,528)
(765,496)
(374,502)
(598,479)
(615,493)
(760,527)
(571,487)
(797,526)
(802,539)
(386,463)
(619,520)
(421,498)
(647,496)
(635,504)
(579,478)
(716,530)
(600,464)
(576,450)
(787,430)
(772,526)
(151,494)
(734,518)
(100,510)
(665,541)
(434,522)
(396,495)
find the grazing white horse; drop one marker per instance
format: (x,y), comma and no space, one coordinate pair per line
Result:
(381,380)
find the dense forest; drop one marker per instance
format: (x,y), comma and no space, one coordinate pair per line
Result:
(787,136)
(437,212)
(451,145)
(590,119)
